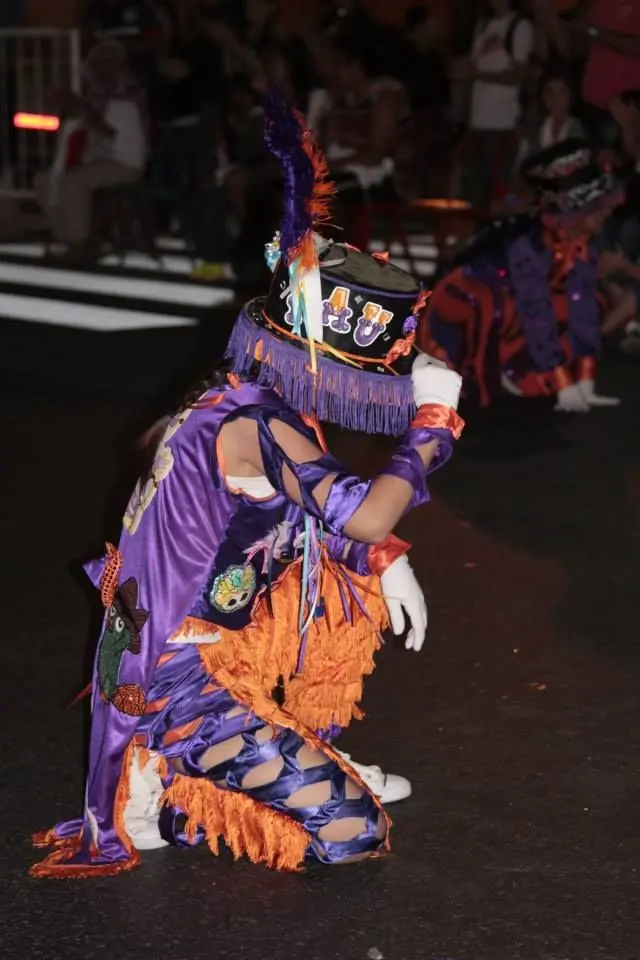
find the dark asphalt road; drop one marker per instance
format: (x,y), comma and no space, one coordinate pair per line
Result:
(518,725)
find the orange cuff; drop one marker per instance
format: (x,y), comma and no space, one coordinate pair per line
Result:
(439,417)
(586,368)
(563,378)
(382,555)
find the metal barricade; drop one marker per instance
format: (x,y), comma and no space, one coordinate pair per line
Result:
(34,66)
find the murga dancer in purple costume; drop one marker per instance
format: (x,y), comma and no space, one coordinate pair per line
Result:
(255,573)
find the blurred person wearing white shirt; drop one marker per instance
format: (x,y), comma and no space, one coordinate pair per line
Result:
(498,68)
(102,143)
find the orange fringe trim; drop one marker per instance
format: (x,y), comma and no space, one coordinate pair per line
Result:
(423,299)
(247,827)
(339,653)
(265,835)
(56,864)
(248,664)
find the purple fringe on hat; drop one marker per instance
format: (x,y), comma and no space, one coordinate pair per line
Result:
(348,396)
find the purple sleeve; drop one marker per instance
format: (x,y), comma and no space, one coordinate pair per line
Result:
(347,491)
(406,463)
(352,553)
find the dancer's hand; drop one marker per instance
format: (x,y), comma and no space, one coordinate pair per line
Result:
(433,382)
(588,390)
(572,400)
(403,595)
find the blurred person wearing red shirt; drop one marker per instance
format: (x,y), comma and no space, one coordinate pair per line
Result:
(613,66)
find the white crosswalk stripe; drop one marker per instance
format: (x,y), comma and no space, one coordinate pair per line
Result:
(139,294)
(135,290)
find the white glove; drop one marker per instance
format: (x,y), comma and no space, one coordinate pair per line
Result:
(433,382)
(572,400)
(402,594)
(588,390)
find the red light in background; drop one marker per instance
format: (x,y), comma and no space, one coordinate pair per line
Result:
(35,121)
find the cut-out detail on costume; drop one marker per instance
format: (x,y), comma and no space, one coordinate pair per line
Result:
(352,791)
(263,774)
(236,712)
(256,821)
(313,795)
(220,753)
(308,758)
(339,831)
(267,733)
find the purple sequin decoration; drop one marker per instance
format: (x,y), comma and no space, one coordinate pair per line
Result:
(529,273)
(584,310)
(529,270)
(409,325)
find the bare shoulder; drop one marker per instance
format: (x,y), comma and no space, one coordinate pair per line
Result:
(241,445)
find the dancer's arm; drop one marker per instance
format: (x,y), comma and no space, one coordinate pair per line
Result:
(382,501)
(280,447)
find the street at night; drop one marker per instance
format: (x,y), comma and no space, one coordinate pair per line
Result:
(517,725)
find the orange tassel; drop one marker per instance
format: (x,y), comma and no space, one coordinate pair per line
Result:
(401,348)
(83,693)
(423,299)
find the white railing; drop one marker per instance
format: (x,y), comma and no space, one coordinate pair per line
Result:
(34,66)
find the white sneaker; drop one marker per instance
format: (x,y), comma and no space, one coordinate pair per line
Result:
(387,787)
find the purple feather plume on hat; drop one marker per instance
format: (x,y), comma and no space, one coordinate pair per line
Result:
(284,137)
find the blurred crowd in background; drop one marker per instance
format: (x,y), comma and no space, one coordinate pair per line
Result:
(172,103)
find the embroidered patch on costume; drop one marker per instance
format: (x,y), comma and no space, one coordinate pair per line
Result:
(288,316)
(233,589)
(336,311)
(162,467)
(371,324)
(121,635)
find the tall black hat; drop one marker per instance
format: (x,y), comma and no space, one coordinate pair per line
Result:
(336,333)
(569,182)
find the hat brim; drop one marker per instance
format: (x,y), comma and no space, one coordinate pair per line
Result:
(349,396)
(607,201)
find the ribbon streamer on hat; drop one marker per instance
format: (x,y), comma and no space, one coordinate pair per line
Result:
(307,194)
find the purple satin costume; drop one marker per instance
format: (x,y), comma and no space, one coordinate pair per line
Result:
(191,547)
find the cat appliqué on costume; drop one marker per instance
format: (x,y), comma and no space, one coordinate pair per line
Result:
(121,635)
